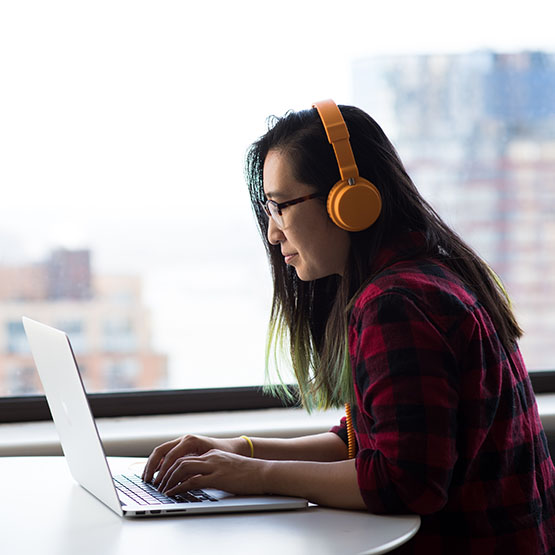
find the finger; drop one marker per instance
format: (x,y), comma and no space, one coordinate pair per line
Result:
(171,458)
(182,471)
(174,476)
(156,458)
(197,481)
(152,463)
(151,467)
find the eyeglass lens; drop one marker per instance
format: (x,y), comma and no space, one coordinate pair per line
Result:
(275,213)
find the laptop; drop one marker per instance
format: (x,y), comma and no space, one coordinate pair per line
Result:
(84,452)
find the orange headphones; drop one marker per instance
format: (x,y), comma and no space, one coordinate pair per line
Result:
(353,202)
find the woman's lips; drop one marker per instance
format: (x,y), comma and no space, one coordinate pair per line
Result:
(288,257)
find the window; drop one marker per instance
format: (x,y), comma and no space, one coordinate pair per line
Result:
(123,130)
(476,131)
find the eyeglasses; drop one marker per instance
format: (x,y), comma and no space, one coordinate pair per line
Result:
(274,209)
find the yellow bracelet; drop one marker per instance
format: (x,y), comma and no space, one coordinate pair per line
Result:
(249,441)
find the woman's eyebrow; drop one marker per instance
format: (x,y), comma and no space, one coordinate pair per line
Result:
(273,195)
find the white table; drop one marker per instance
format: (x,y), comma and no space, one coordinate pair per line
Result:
(43,511)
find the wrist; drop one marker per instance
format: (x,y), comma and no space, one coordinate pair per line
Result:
(243,447)
(251,446)
(266,477)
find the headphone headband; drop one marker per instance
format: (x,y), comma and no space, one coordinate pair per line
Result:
(353,203)
(338,136)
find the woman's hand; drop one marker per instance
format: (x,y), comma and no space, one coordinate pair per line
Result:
(196,462)
(215,469)
(164,456)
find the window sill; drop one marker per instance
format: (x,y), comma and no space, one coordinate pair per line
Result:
(137,435)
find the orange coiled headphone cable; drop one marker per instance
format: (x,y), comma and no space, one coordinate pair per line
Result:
(350,432)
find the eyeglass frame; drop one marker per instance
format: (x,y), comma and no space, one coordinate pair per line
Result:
(281,205)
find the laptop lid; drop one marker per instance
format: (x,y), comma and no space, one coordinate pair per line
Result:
(80,440)
(71,412)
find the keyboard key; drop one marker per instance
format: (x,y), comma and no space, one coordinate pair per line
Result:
(146,494)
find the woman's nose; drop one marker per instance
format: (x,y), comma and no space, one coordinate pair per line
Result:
(275,235)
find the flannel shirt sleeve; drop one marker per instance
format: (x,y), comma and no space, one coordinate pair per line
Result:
(341,430)
(405,374)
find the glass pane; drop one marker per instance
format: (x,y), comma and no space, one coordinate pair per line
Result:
(125,219)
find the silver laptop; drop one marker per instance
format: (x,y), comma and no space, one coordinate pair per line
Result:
(127,495)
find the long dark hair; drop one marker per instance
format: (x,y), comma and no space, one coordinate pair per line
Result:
(309,319)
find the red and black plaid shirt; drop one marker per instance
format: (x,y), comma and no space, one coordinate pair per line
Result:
(446,425)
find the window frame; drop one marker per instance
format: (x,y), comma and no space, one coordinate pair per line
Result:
(182,401)
(28,408)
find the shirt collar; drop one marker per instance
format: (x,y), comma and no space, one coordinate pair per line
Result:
(402,246)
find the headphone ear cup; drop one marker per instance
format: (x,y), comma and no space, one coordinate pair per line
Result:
(354,207)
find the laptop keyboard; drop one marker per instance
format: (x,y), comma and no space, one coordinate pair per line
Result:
(146,494)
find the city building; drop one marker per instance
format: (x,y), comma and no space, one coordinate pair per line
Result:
(104,317)
(477,134)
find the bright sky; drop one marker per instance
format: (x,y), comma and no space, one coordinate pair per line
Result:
(120,120)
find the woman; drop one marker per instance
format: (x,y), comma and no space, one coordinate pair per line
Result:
(397,317)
